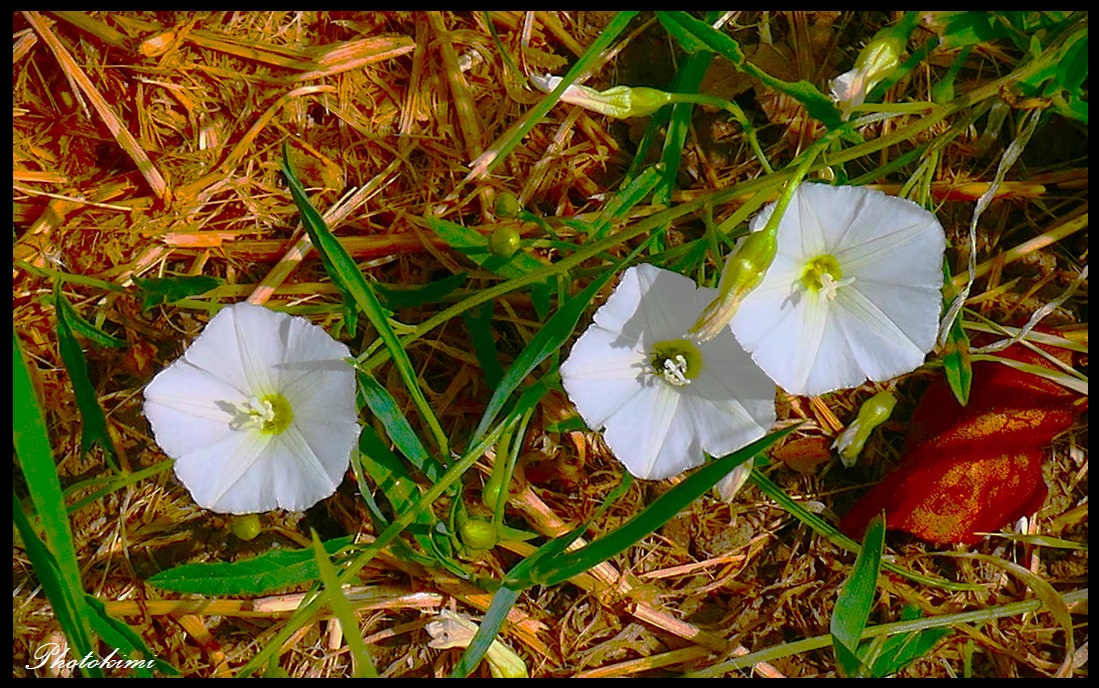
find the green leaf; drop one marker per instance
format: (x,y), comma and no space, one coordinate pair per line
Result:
(160,290)
(362,666)
(124,639)
(856,600)
(970,28)
(957,363)
(349,279)
(479,323)
(899,650)
(87,330)
(382,404)
(93,428)
(413,297)
(256,576)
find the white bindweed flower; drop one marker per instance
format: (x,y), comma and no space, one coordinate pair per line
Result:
(663,398)
(854,291)
(259,412)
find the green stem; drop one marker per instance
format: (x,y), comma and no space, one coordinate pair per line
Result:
(734,110)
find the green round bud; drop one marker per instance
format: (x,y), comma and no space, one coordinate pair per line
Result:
(245,527)
(478,535)
(507,205)
(504,242)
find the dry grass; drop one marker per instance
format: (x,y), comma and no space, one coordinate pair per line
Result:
(148,145)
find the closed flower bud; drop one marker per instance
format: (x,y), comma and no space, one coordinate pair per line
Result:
(875,63)
(620,102)
(478,535)
(504,242)
(874,411)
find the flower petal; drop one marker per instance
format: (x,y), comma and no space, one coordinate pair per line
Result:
(658,429)
(602,372)
(247,353)
(219,475)
(882,317)
(650,436)
(181,404)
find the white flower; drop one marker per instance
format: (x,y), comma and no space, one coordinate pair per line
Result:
(259,413)
(854,291)
(663,398)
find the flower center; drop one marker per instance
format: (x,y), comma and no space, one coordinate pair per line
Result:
(678,361)
(270,414)
(824,275)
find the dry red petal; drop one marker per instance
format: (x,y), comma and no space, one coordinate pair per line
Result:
(974,478)
(976,468)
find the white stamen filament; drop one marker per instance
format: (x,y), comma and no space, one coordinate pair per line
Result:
(675,369)
(830,287)
(254,414)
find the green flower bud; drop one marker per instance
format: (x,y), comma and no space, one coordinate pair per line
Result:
(507,205)
(504,242)
(879,59)
(620,102)
(874,411)
(743,272)
(245,527)
(478,535)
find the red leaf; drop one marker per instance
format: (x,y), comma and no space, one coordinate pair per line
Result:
(976,468)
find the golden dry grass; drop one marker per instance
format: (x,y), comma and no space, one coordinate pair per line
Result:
(148,145)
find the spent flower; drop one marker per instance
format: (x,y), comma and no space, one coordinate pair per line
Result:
(259,412)
(620,102)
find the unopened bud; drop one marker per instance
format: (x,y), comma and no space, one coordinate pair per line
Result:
(874,411)
(620,102)
(744,270)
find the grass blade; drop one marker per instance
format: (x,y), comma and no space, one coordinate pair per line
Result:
(55,558)
(93,428)
(548,340)
(497,613)
(384,407)
(856,600)
(64,599)
(256,576)
(362,666)
(345,273)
